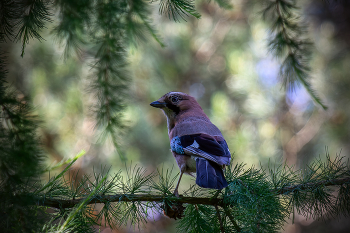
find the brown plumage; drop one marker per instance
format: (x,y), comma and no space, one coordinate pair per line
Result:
(192,135)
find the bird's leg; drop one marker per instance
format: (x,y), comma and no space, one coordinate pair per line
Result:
(176,191)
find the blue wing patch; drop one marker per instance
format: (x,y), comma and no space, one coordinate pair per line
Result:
(176,146)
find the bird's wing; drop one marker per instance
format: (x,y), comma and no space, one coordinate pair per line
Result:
(197,152)
(203,145)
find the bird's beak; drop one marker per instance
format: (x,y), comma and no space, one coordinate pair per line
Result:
(158,104)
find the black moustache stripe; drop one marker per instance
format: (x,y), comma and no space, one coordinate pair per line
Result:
(173,108)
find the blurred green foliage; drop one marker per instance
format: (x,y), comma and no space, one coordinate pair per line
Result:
(221,59)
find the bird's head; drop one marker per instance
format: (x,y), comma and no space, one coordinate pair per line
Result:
(174,104)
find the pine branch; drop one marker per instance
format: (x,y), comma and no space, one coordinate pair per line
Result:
(20,161)
(176,9)
(110,81)
(138,22)
(8,14)
(33,16)
(312,185)
(219,218)
(74,19)
(257,201)
(193,215)
(63,204)
(229,215)
(81,206)
(290,44)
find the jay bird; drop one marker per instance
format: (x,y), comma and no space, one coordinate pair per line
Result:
(196,143)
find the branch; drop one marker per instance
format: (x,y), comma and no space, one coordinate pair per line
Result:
(219,218)
(287,42)
(62,204)
(310,185)
(229,215)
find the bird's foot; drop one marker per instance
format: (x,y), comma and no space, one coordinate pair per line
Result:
(175,211)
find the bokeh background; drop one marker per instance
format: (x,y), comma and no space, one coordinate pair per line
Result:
(222,60)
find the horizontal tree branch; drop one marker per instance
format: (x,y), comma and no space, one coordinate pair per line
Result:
(312,185)
(62,204)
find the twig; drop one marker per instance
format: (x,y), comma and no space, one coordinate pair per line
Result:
(229,215)
(289,189)
(63,204)
(220,221)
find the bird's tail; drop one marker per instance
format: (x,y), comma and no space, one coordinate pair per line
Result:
(209,175)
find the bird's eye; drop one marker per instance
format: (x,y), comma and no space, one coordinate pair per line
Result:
(174,99)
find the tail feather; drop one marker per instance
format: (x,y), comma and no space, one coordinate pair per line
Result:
(209,175)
